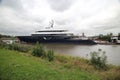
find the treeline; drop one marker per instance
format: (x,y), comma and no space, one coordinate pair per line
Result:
(107,37)
(6,36)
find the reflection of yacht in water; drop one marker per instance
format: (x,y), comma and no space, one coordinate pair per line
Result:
(51,35)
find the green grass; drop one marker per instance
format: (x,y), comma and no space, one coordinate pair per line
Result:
(22,66)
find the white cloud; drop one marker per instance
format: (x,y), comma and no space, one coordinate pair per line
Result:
(89,16)
(60,5)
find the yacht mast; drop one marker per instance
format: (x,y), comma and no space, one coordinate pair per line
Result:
(52,23)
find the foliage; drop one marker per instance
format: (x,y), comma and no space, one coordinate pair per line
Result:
(118,36)
(17,47)
(38,50)
(106,37)
(50,55)
(2,45)
(113,74)
(98,59)
(5,36)
(15,66)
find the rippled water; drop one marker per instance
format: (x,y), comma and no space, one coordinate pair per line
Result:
(112,51)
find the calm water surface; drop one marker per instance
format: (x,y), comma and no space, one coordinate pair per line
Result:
(112,51)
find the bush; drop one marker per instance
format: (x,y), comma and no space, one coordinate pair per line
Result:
(17,47)
(38,51)
(98,59)
(50,55)
(2,45)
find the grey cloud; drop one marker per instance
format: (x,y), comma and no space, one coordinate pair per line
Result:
(15,20)
(62,22)
(14,29)
(105,27)
(15,4)
(37,20)
(0,1)
(60,5)
(111,25)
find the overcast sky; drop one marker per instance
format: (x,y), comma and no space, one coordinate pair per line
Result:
(22,17)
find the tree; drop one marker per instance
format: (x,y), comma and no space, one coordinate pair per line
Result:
(118,36)
(98,59)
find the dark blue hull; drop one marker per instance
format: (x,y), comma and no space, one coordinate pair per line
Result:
(31,39)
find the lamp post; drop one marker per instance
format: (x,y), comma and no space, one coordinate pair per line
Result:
(12,38)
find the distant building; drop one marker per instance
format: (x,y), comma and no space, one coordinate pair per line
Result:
(9,40)
(115,39)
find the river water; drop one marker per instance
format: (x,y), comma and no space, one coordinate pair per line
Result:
(112,51)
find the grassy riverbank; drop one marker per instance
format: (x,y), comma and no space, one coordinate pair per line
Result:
(16,65)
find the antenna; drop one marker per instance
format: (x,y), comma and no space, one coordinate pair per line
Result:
(51,23)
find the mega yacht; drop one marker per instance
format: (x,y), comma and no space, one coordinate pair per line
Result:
(51,35)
